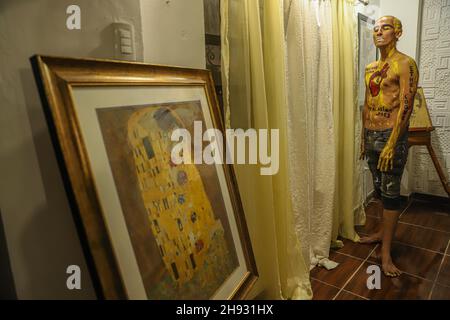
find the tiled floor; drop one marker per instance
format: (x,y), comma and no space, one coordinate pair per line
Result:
(421,251)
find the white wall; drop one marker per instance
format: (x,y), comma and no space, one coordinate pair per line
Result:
(372,10)
(408,12)
(41,236)
(173,32)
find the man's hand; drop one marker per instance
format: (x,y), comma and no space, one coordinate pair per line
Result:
(386,160)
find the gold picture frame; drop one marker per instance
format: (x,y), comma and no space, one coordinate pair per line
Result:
(108,121)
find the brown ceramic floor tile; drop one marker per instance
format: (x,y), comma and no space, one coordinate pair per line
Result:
(440,293)
(374,212)
(355,249)
(421,237)
(344,295)
(338,276)
(322,291)
(444,274)
(404,287)
(428,215)
(415,261)
(370,227)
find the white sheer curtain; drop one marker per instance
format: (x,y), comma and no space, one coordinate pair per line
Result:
(322,117)
(312,152)
(254,61)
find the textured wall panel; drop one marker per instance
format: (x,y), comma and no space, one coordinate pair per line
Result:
(434,68)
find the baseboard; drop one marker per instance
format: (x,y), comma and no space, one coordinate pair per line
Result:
(416,196)
(430,198)
(406,198)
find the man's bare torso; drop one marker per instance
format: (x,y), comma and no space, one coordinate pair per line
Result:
(382,79)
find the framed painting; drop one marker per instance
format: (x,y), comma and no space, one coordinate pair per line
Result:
(367,52)
(151,229)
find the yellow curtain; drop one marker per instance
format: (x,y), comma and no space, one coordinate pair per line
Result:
(253,60)
(346,115)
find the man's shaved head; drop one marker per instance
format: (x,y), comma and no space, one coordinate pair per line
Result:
(396,22)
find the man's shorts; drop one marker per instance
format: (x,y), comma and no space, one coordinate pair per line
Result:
(386,184)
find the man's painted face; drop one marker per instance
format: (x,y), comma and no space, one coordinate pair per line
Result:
(384,32)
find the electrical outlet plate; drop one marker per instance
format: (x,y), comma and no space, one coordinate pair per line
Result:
(124,44)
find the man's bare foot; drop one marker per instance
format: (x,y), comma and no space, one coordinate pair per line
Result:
(389,268)
(373,238)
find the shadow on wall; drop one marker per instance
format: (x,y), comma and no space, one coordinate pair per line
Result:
(43,252)
(95,39)
(7,288)
(106,44)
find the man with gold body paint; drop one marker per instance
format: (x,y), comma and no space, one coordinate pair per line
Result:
(391,85)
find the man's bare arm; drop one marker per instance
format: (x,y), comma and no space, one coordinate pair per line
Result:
(408,87)
(409,77)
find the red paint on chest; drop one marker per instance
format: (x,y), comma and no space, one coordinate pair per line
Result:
(376,79)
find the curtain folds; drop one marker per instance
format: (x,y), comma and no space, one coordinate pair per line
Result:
(312,152)
(348,204)
(290,65)
(254,60)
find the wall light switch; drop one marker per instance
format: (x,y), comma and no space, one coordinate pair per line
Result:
(124,44)
(126,50)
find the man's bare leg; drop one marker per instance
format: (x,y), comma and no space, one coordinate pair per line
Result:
(378,235)
(390,218)
(374,237)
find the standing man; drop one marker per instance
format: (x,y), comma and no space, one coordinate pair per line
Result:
(391,85)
